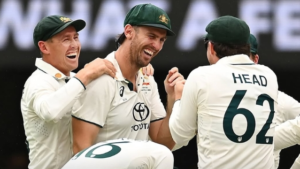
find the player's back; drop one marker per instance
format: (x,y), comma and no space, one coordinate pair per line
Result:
(123,154)
(236,103)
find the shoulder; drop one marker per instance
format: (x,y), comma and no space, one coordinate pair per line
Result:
(267,70)
(284,98)
(103,82)
(201,71)
(39,78)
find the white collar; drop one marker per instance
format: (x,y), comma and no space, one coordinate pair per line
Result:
(236,59)
(49,69)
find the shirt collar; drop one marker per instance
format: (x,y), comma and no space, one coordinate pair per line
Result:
(236,59)
(49,69)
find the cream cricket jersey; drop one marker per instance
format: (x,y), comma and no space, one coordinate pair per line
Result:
(288,109)
(123,154)
(46,109)
(120,112)
(230,106)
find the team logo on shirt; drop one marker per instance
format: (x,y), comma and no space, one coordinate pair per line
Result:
(121,91)
(140,112)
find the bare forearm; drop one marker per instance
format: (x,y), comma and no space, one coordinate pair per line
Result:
(164,135)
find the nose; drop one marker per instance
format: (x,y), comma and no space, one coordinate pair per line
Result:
(157,44)
(74,43)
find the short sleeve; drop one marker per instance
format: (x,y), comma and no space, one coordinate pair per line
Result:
(94,105)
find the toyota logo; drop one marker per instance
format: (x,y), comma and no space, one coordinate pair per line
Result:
(140,112)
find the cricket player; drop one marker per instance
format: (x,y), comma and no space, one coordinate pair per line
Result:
(129,106)
(230,104)
(288,109)
(50,92)
(113,154)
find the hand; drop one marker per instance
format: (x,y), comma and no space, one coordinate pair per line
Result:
(95,69)
(171,79)
(148,70)
(101,66)
(178,89)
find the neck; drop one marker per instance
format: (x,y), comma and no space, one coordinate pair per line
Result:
(129,69)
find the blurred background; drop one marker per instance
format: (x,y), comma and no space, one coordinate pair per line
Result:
(275,23)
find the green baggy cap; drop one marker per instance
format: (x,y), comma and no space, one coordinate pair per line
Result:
(228,30)
(52,25)
(149,15)
(253,44)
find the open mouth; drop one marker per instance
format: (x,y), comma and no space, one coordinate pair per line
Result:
(148,52)
(72,55)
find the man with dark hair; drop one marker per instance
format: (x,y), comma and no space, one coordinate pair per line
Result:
(129,106)
(288,109)
(50,92)
(230,104)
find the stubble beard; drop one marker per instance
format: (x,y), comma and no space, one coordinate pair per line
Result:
(134,54)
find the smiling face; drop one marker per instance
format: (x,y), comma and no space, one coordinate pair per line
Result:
(62,50)
(146,44)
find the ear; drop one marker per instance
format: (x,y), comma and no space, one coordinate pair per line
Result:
(256,58)
(128,31)
(43,47)
(211,48)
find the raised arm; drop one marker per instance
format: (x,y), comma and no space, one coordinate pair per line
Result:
(159,130)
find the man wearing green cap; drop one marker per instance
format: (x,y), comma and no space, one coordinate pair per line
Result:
(230,104)
(288,113)
(50,92)
(129,106)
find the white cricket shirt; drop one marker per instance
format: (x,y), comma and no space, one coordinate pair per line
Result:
(227,105)
(46,109)
(120,112)
(123,154)
(288,109)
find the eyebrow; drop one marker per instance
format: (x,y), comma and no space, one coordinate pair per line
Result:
(67,35)
(150,33)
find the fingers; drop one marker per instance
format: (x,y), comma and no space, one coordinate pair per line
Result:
(110,73)
(110,66)
(173,70)
(174,76)
(148,70)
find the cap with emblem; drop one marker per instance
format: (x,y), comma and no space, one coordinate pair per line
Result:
(149,15)
(228,30)
(146,15)
(52,25)
(253,44)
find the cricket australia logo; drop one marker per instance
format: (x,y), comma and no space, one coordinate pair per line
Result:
(140,112)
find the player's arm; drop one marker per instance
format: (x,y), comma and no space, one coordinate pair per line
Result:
(159,130)
(183,121)
(287,134)
(43,96)
(84,134)
(90,111)
(288,108)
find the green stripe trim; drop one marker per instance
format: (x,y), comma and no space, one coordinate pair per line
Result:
(87,121)
(156,120)
(41,70)
(244,64)
(80,82)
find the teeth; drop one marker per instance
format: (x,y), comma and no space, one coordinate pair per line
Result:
(72,54)
(149,52)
